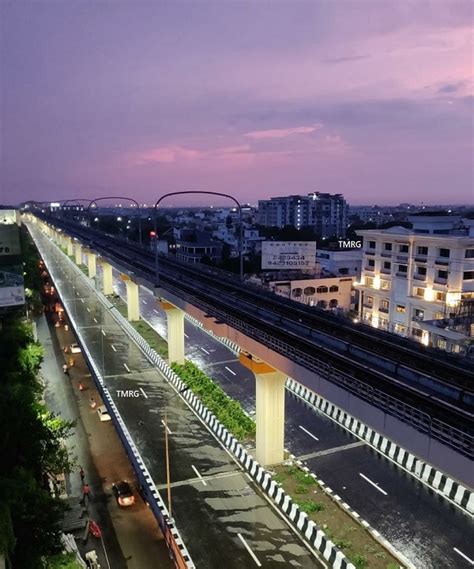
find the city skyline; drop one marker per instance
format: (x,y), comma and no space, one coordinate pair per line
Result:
(371,101)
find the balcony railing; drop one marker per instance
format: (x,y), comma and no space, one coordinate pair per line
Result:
(400,274)
(419,277)
(438,280)
(442,261)
(383,309)
(421,258)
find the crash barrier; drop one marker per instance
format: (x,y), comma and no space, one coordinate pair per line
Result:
(174,542)
(427,474)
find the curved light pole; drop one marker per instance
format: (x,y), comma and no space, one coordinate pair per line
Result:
(241,231)
(95,200)
(70,201)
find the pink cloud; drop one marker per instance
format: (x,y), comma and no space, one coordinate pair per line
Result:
(282,132)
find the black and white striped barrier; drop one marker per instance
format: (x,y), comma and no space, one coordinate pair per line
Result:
(429,475)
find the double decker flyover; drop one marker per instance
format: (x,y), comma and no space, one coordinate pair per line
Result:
(438,403)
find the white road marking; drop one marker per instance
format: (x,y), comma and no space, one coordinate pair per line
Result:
(144,302)
(308,433)
(471,561)
(167,428)
(155,311)
(374,484)
(113,347)
(126,367)
(88,309)
(199,476)
(95,320)
(103,333)
(185,335)
(82,300)
(144,394)
(205,351)
(247,547)
(230,371)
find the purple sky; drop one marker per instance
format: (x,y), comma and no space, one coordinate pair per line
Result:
(370,99)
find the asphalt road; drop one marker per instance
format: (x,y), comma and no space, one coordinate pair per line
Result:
(430,531)
(221,515)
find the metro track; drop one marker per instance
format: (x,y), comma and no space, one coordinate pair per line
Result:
(227,300)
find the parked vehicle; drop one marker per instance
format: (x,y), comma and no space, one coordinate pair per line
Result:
(103,413)
(75,348)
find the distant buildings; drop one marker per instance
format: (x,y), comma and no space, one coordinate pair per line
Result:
(340,262)
(325,213)
(420,282)
(326,292)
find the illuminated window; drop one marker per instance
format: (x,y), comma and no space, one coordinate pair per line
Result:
(401,308)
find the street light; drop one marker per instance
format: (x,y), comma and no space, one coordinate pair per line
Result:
(228,196)
(165,423)
(95,200)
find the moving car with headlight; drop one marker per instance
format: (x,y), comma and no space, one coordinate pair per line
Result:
(103,413)
(123,493)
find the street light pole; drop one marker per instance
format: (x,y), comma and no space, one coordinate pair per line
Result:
(95,200)
(228,196)
(167,456)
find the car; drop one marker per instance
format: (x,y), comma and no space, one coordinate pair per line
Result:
(103,413)
(75,348)
(123,493)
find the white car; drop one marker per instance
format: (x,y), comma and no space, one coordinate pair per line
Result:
(75,348)
(103,413)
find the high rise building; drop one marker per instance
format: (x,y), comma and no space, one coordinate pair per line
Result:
(419,282)
(325,213)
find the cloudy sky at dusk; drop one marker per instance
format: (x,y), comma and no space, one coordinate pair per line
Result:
(370,99)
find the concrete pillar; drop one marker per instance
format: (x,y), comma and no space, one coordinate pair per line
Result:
(78,253)
(70,246)
(175,321)
(133,305)
(107,280)
(270,410)
(91,264)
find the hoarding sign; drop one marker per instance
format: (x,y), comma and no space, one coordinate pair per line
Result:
(288,254)
(12,289)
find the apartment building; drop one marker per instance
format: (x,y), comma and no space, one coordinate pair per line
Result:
(419,282)
(325,213)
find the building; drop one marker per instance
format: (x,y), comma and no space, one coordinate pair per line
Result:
(12,288)
(326,292)
(325,213)
(419,282)
(340,262)
(195,246)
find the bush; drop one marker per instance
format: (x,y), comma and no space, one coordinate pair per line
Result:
(228,411)
(309,506)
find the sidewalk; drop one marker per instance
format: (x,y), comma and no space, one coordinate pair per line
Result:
(131,535)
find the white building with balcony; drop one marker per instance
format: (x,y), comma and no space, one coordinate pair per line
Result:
(420,282)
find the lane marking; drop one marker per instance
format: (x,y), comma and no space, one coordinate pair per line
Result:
(311,455)
(185,335)
(95,320)
(230,371)
(167,428)
(459,552)
(103,333)
(88,309)
(144,302)
(126,367)
(199,476)
(247,547)
(374,484)
(113,347)
(308,433)
(82,300)
(144,394)
(155,311)
(205,351)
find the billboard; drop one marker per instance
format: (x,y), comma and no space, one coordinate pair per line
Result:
(9,240)
(12,288)
(288,254)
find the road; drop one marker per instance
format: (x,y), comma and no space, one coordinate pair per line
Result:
(426,528)
(131,536)
(212,496)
